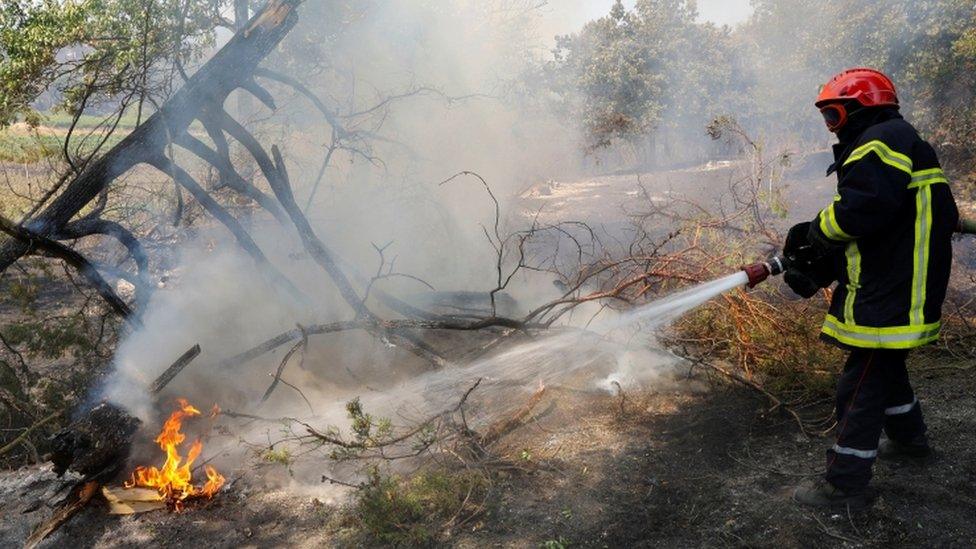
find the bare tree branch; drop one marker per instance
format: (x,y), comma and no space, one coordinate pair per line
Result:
(33,241)
(185,180)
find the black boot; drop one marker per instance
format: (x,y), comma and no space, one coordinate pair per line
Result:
(891,450)
(824,495)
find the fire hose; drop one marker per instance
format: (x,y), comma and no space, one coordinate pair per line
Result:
(776,265)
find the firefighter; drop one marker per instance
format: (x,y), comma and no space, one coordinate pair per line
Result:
(885,239)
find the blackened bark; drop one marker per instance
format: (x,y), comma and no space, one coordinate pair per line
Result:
(230,177)
(244,239)
(97,445)
(32,241)
(278,180)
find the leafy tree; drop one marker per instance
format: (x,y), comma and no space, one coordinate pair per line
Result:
(610,76)
(651,72)
(926,46)
(627,74)
(91,52)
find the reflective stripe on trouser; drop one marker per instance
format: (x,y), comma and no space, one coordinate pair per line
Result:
(871,396)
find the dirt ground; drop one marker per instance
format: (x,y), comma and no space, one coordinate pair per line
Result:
(698,464)
(691,463)
(710,468)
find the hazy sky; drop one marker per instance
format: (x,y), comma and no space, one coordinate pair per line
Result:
(724,12)
(569,15)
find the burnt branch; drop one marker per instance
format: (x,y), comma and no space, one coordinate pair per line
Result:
(33,242)
(301,345)
(245,241)
(229,175)
(88,226)
(277,176)
(174,370)
(396,325)
(362,443)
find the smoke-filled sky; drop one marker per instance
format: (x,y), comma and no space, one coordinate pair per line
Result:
(724,12)
(570,15)
(434,230)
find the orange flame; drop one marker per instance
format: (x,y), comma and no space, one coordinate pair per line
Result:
(174,480)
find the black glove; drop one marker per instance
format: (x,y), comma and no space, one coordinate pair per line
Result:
(798,249)
(802,284)
(810,267)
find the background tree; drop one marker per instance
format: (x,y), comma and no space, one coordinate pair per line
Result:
(654,75)
(638,74)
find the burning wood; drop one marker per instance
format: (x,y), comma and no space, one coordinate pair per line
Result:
(174,480)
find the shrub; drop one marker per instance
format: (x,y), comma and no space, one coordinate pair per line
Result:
(416,510)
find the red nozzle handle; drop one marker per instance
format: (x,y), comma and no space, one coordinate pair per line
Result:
(757,272)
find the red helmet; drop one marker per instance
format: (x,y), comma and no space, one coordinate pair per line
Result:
(868,87)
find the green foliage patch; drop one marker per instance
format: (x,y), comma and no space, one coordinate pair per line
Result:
(19,148)
(413,511)
(649,73)
(49,339)
(94,51)
(28,149)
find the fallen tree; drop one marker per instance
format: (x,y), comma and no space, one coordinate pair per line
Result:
(615,275)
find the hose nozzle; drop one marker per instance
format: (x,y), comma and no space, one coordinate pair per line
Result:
(758,272)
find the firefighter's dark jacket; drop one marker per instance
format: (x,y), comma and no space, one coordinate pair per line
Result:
(892,221)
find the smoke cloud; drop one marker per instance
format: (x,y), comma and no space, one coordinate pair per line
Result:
(445,78)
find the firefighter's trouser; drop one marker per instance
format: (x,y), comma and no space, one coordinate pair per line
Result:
(873,393)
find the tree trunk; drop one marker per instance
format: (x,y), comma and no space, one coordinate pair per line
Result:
(241,15)
(230,68)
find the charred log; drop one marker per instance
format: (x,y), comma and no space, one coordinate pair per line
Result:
(97,445)
(174,370)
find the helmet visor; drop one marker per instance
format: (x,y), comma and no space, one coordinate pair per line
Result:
(835,116)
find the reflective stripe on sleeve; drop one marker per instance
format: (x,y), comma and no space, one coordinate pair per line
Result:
(863,454)
(903,409)
(829,226)
(885,153)
(924,178)
(853,256)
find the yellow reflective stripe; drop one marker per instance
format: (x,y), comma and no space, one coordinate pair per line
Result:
(853,281)
(890,337)
(927,177)
(829,226)
(920,256)
(903,330)
(884,152)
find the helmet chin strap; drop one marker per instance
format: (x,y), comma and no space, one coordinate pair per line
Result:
(852,115)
